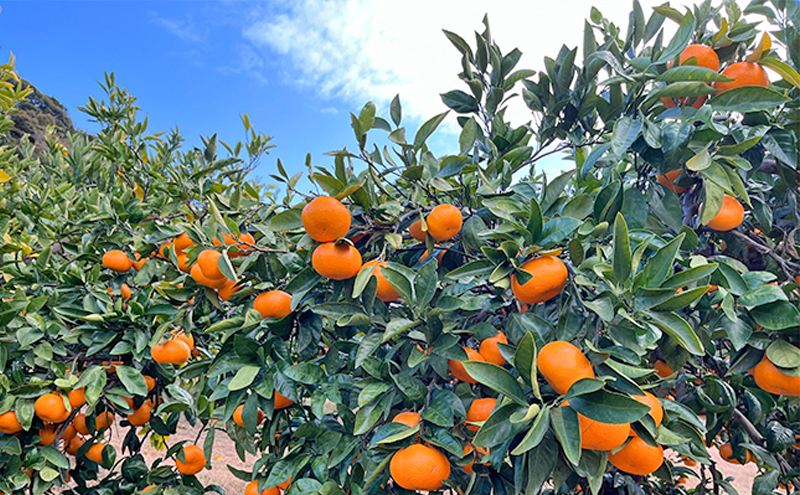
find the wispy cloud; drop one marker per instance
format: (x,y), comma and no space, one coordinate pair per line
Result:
(247,62)
(181,29)
(359,50)
(329,110)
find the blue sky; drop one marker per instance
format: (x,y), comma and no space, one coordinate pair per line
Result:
(297,67)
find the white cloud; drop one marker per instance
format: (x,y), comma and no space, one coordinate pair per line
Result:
(181,29)
(247,62)
(329,110)
(359,50)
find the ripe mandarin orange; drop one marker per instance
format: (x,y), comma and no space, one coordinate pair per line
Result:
(386,292)
(662,369)
(183,263)
(125,291)
(457,369)
(9,423)
(195,460)
(281,402)
(336,261)
(478,411)
(444,222)
(171,352)
(273,304)
(408,418)
(563,364)
(638,457)
(668,180)
(228,290)
(252,489)
(743,74)
(491,352)
(75,444)
(208,261)
(726,452)
(436,249)
(656,410)
(326,219)
(729,217)
(77,398)
(199,277)
(771,379)
(602,436)
(69,432)
(150,382)
(548,279)
(187,339)
(419,467)
(50,408)
(182,243)
(117,261)
(139,263)
(47,435)
(237,416)
(95,453)
(469,449)
(415,229)
(140,416)
(705,55)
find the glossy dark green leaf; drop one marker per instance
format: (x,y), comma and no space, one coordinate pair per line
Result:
(568,432)
(748,99)
(779,315)
(677,328)
(622,250)
(496,378)
(760,295)
(609,407)
(535,434)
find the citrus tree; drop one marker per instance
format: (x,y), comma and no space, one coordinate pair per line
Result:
(424,323)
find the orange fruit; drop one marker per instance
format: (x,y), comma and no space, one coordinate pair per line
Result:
(549,277)
(638,457)
(662,369)
(228,290)
(489,350)
(47,435)
(729,217)
(683,102)
(183,263)
(326,219)
(199,277)
(457,369)
(117,261)
(444,222)
(656,410)
(273,304)
(95,453)
(419,467)
(468,449)
(668,180)
(478,411)
(103,421)
(726,452)
(171,352)
(415,229)
(689,462)
(237,416)
(151,383)
(182,243)
(69,433)
(252,489)
(9,423)
(281,402)
(408,418)
(563,364)
(336,261)
(125,291)
(386,292)
(743,74)
(187,339)
(141,416)
(285,484)
(602,436)
(148,488)
(50,408)
(139,263)
(439,257)
(705,55)
(208,261)
(771,379)
(75,444)
(163,251)
(195,460)
(77,397)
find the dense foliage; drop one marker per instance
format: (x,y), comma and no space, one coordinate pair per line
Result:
(226,322)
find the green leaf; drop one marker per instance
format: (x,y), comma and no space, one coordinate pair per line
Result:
(541,462)
(367,347)
(622,250)
(425,283)
(498,429)
(286,220)
(525,362)
(712,202)
(686,277)
(660,265)
(94,379)
(680,40)
(427,129)
(609,407)
(496,378)
(557,229)
(536,433)
(779,315)
(535,221)
(748,99)
(396,110)
(783,354)
(460,101)
(677,328)
(307,373)
(692,73)
(132,380)
(700,161)
(762,294)
(626,130)
(478,268)
(567,428)
(244,377)
(682,300)
(786,71)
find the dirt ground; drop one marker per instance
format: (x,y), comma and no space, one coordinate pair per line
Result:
(225,454)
